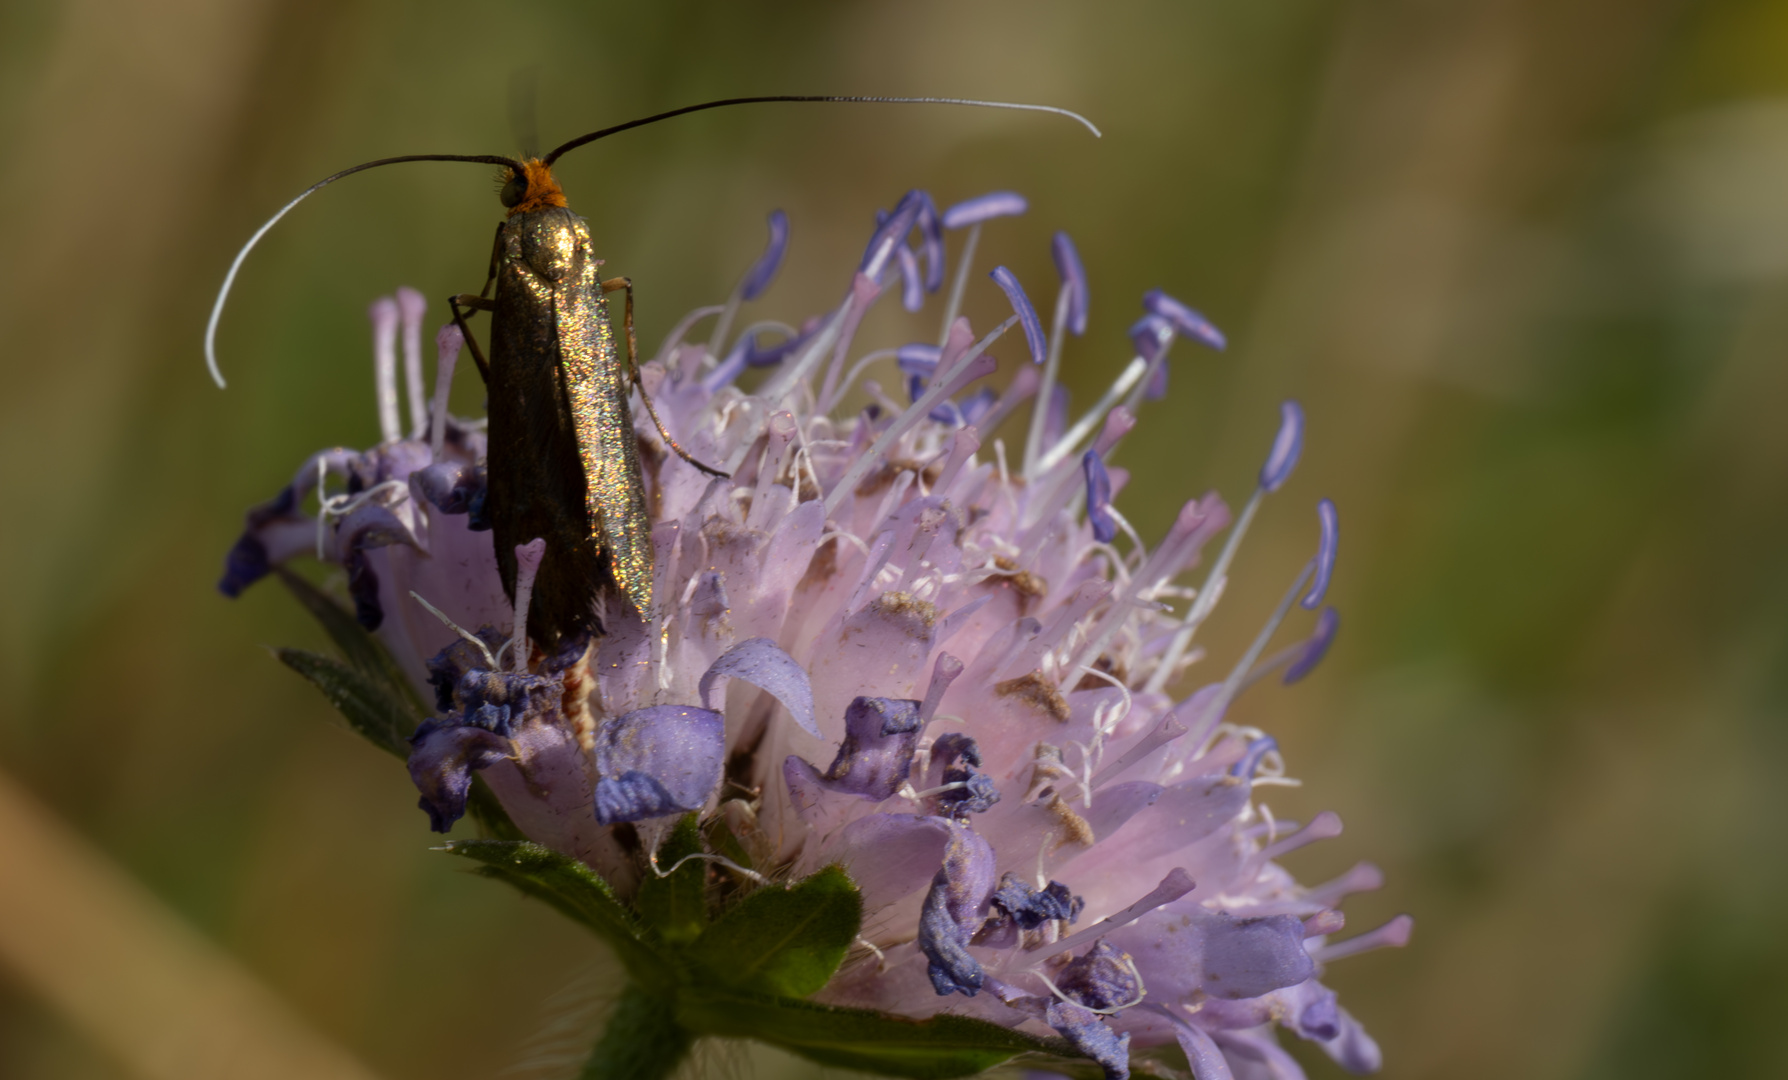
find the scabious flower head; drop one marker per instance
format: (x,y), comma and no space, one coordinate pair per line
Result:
(885,644)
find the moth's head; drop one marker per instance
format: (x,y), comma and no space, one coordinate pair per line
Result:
(531,188)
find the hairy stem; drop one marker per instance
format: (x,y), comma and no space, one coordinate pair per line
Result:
(642,1041)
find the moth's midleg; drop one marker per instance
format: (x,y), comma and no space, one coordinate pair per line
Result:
(626,284)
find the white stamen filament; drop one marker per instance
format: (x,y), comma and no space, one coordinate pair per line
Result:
(489,660)
(1033,441)
(960,283)
(1207,598)
(385,316)
(941,387)
(1130,376)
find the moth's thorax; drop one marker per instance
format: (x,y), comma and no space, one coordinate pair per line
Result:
(550,242)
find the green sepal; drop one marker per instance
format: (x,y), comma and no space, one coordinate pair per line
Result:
(676,905)
(783,940)
(582,896)
(932,1049)
(368,707)
(363,652)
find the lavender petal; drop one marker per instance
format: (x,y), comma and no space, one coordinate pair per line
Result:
(764,665)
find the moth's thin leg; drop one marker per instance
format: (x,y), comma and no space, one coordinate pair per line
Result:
(473,303)
(478,303)
(623,283)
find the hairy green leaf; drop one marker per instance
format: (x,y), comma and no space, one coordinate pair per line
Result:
(580,895)
(369,707)
(931,1049)
(676,905)
(784,940)
(363,652)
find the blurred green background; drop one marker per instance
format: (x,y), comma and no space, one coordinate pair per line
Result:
(1525,263)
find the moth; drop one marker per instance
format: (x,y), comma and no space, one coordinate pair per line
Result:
(563,462)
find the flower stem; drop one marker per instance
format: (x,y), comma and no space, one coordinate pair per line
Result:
(642,1041)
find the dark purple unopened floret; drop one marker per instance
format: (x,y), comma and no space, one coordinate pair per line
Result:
(447,666)
(450,487)
(1101,978)
(762,272)
(1325,553)
(954,909)
(246,564)
(363,587)
(443,756)
(1031,907)
(663,759)
(960,759)
(1090,1035)
(876,756)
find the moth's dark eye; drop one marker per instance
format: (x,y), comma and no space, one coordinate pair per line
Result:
(515,190)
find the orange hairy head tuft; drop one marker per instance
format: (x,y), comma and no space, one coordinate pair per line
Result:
(543,190)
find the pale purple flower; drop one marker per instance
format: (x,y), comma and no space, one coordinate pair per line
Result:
(874,646)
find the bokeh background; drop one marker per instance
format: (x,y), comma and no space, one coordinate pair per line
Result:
(1525,263)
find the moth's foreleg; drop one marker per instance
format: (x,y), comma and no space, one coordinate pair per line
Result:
(624,283)
(459,305)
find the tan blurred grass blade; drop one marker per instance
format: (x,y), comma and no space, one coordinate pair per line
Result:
(130,975)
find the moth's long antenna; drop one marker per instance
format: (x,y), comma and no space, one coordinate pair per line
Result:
(606,132)
(223,293)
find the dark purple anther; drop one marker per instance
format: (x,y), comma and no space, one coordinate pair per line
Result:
(1098,497)
(931,228)
(890,234)
(983,207)
(978,404)
(1315,647)
(1067,263)
(1184,319)
(912,286)
(1287,445)
(660,760)
(917,359)
(1151,334)
(764,270)
(1027,315)
(1325,553)
(1250,759)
